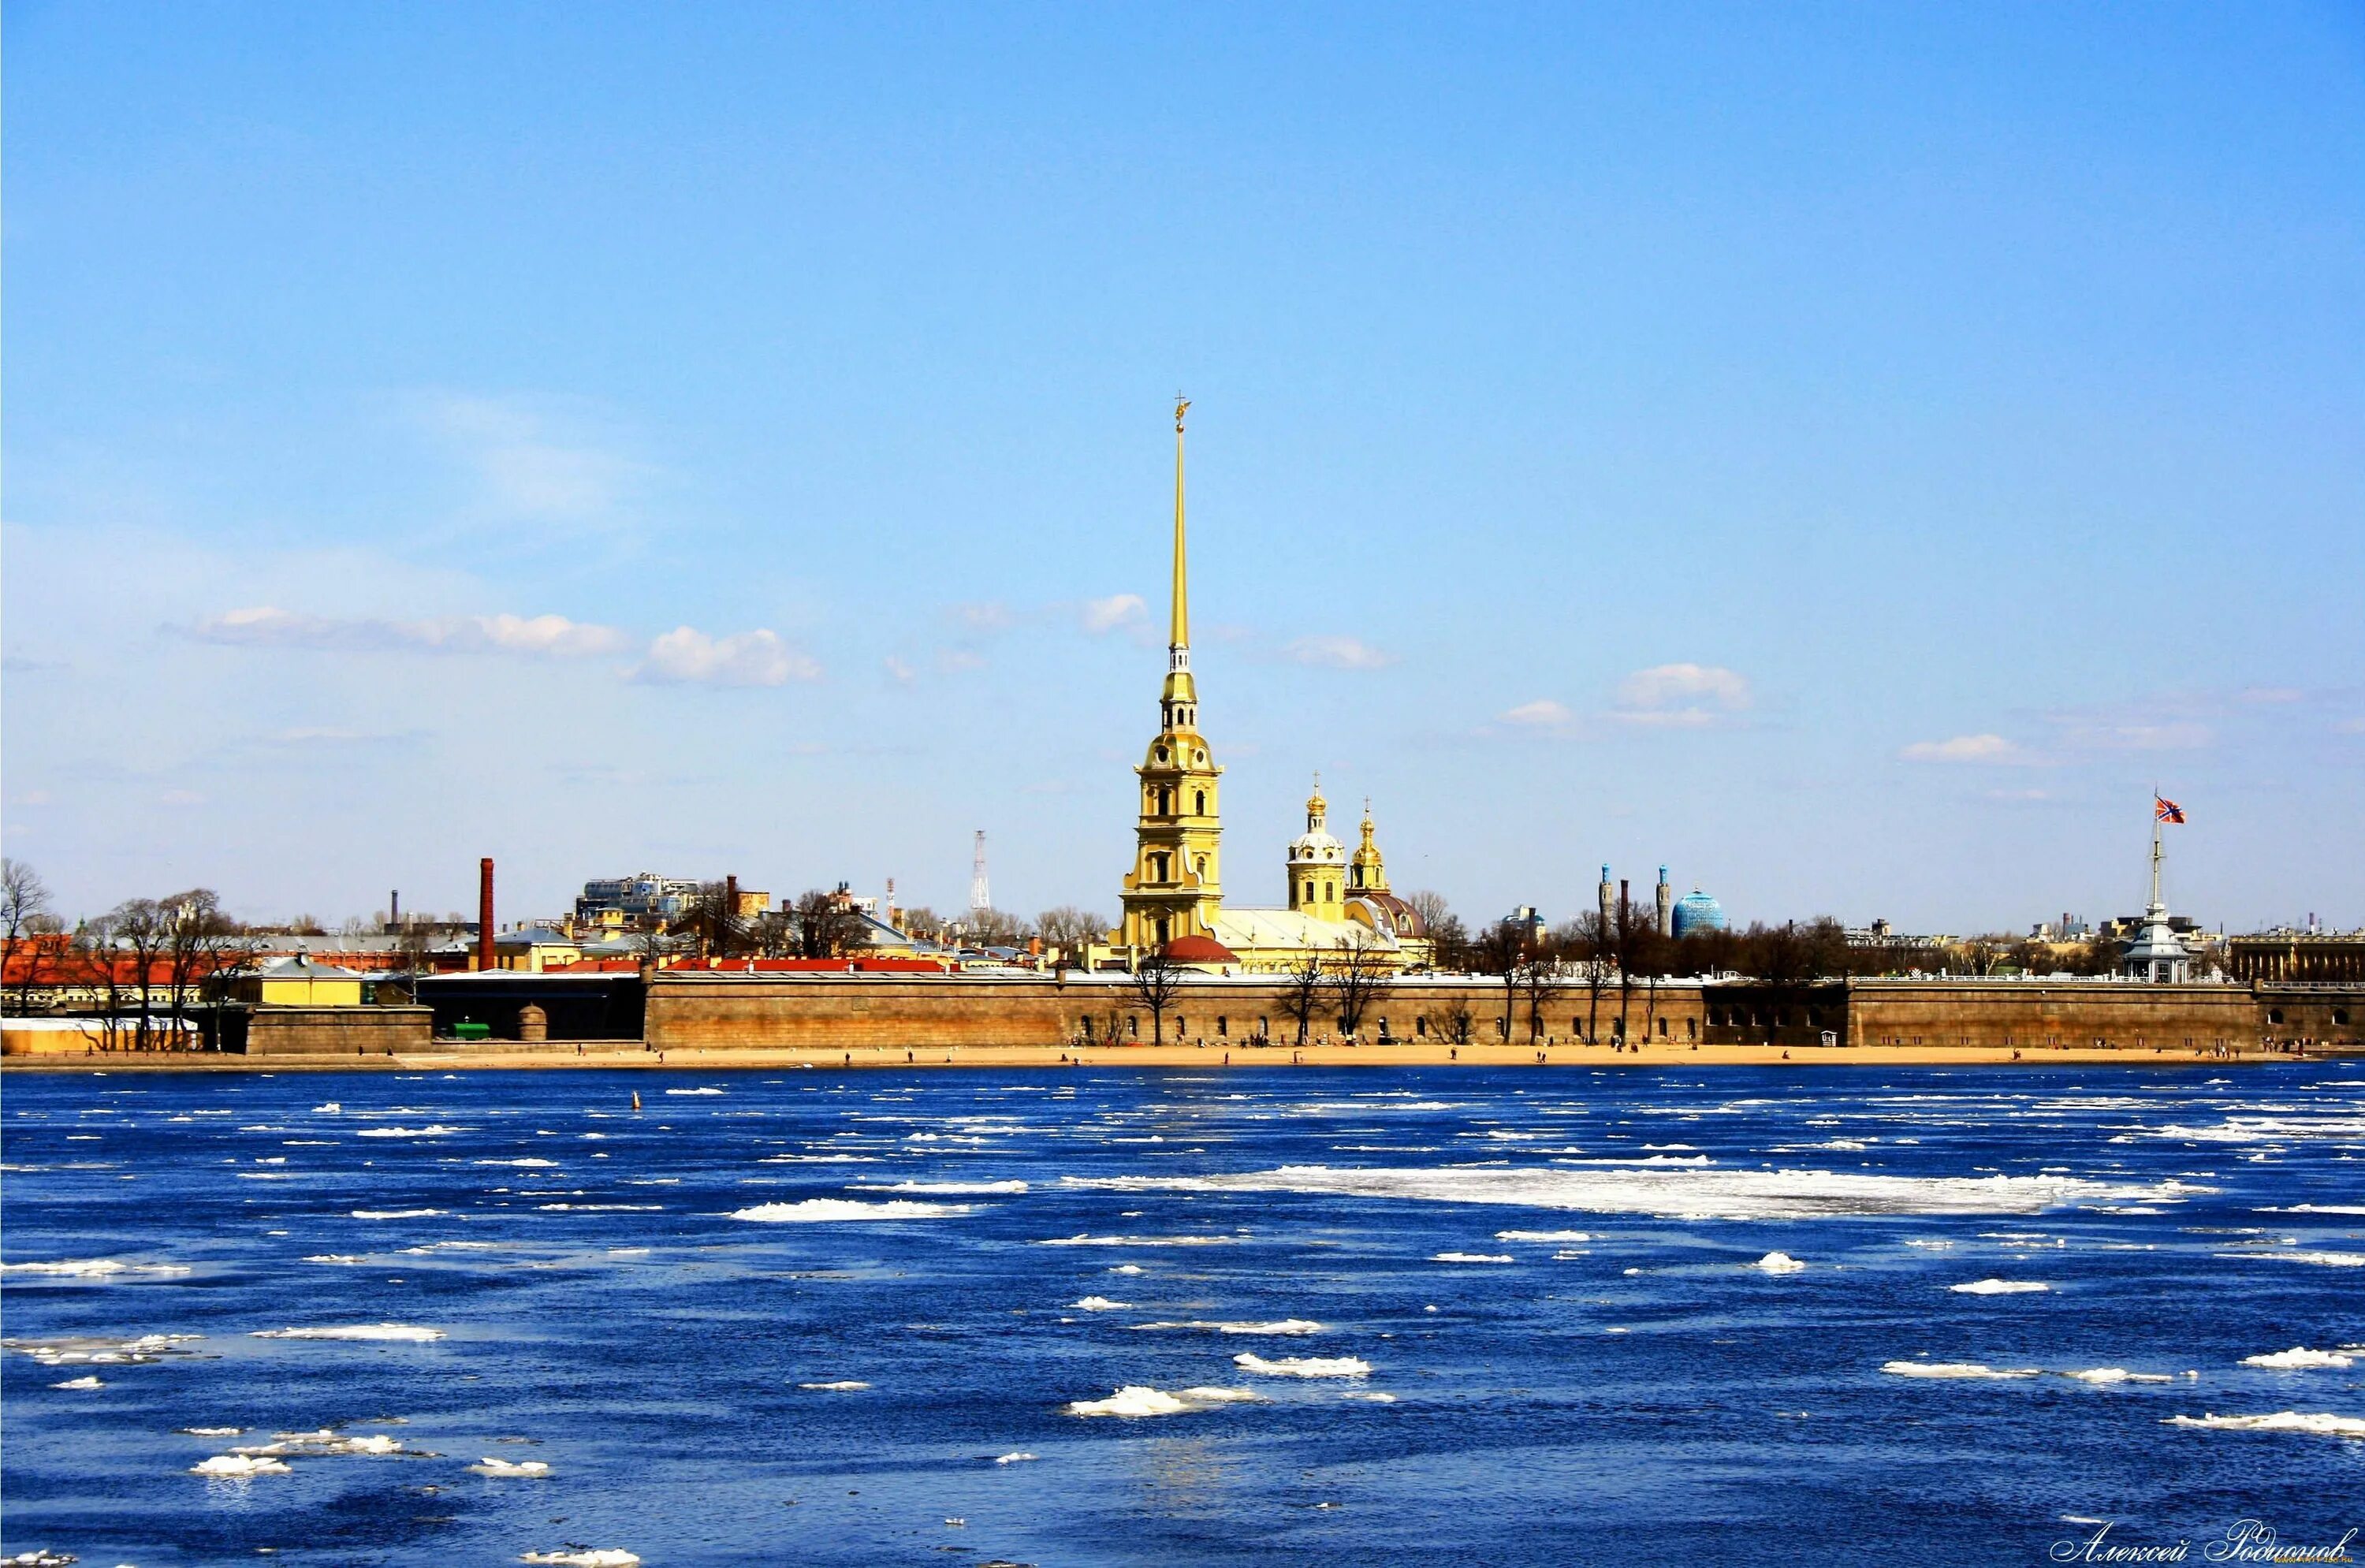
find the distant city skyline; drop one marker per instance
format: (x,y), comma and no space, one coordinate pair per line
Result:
(1849,459)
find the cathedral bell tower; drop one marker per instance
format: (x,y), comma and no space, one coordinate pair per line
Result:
(1174,888)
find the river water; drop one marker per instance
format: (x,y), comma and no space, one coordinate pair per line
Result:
(1489,1316)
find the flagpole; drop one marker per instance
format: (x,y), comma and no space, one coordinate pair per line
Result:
(2154,846)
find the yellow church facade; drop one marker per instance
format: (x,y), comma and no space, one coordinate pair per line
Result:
(1172,898)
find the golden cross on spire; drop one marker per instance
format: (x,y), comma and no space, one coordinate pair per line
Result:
(1181,407)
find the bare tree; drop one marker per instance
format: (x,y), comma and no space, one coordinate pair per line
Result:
(1541,979)
(993,928)
(1158,982)
(24,900)
(1594,945)
(1498,952)
(203,948)
(138,932)
(1067,931)
(1301,991)
(1353,979)
(828,925)
(921,925)
(1637,952)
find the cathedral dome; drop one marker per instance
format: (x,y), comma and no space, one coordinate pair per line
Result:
(1697,912)
(1317,846)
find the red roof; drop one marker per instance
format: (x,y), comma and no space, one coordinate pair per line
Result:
(1199,950)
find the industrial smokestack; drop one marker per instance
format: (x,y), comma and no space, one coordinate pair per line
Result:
(394,909)
(1625,909)
(485,914)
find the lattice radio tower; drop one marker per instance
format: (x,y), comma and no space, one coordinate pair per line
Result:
(980,899)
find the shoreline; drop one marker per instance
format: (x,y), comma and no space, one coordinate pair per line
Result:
(605,1054)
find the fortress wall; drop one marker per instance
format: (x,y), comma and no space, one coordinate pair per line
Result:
(339,1031)
(2021,1013)
(834,1012)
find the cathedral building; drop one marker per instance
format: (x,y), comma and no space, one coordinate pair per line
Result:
(1173,896)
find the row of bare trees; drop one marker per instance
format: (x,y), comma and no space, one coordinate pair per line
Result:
(143,968)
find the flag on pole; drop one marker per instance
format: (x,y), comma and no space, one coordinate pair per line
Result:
(2164,809)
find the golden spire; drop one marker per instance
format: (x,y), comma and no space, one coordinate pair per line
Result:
(1180,636)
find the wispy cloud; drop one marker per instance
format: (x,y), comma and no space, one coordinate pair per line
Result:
(1680,695)
(541,636)
(1544,714)
(1117,612)
(959,661)
(900,671)
(530,463)
(1983,749)
(685,656)
(1337,653)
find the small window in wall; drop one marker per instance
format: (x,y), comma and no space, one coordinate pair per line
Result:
(1663,1028)
(1264,1025)
(1199,802)
(1309,899)
(1223,1026)
(2274,1014)
(1383,1027)
(2340,1017)
(1087,1023)
(1420,1027)
(1133,1025)
(1182,1026)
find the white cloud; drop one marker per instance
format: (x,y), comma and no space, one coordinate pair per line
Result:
(900,671)
(685,656)
(1680,695)
(1965,748)
(541,636)
(1338,653)
(1542,714)
(1118,609)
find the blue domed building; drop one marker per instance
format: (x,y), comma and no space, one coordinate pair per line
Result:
(1697,912)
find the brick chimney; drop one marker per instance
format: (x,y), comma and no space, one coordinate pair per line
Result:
(485,914)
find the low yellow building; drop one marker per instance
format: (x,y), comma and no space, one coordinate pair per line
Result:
(299,982)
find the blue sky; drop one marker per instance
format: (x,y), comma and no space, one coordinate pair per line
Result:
(1848,453)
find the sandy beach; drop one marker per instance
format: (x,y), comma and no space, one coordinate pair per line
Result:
(559,1055)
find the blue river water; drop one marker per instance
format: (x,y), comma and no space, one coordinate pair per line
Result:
(1295,1315)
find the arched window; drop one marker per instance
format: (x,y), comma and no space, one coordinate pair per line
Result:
(1161,931)
(1199,802)
(1309,899)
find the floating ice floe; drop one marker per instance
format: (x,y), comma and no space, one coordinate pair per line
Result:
(942,1188)
(237,1466)
(2281,1421)
(396,1213)
(603,1557)
(1999,1287)
(1140,1399)
(1369,1395)
(523,1469)
(434,1129)
(1102,1303)
(844,1385)
(88,1380)
(825,1210)
(1013,1458)
(1777,1263)
(214,1431)
(1676,1193)
(1954,1369)
(1303,1366)
(1126,1269)
(1543,1236)
(2324,1259)
(702,1090)
(82,1349)
(94,1269)
(2300,1356)
(345,1258)
(329,1108)
(1282,1326)
(2104,1375)
(408,1332)
(528,1163)
(322,1443)
(1080,1239)
(1473,1258)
